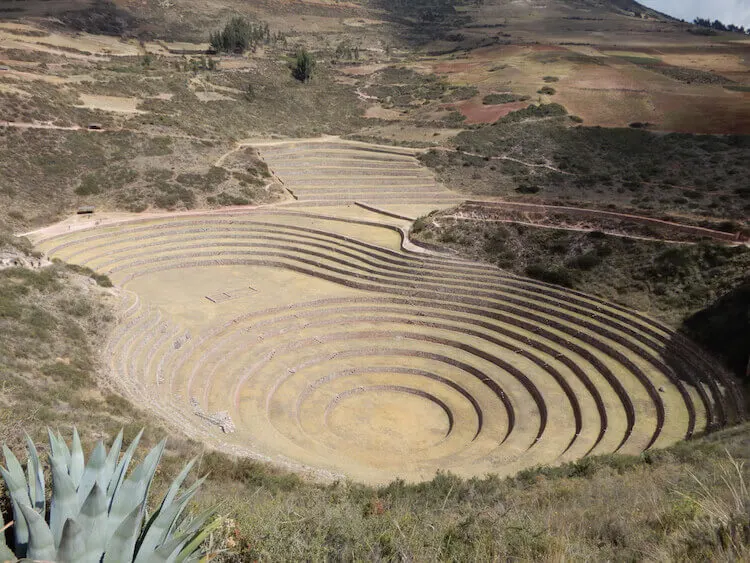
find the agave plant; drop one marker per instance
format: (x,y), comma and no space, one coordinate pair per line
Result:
(96,512)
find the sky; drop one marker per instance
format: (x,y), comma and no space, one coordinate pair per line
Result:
(727,11)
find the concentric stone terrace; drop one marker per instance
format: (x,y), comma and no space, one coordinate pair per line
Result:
(334,172)
(331,347)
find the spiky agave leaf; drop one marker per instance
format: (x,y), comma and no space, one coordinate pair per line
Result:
(76,459)
(135,488)
(121,545)
(41,543)
(177,483)
(111,462)
(59,449)
(157,527)
(182,501)
(35,477)
(199,532)
(64,502)
(15,481)
(184,544)
(163,523)
(93,473)
(72,544)
(6,554)
(64,448)
(93,520)
(122,467)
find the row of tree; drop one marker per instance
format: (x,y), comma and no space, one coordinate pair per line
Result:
(719,26)
(240,35)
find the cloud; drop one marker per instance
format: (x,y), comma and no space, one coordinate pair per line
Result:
(728,11)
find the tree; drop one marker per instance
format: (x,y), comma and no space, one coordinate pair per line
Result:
(719,26)
(304,65)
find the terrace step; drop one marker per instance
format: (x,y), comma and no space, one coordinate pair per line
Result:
(335,172)
(355,190)
(363,182)
(332,146)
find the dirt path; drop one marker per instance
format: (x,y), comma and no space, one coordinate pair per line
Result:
(596,213)
(51,127)
(511,159)
(565,228)
(28,125)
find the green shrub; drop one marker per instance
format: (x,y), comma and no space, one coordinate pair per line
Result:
(303,65)
(535,112)
(101,279)
(526,188)
(553,275)
(587,261)
(460,93)
(89,186)
(504,98)
(547,91)
(70,375)
(420,224)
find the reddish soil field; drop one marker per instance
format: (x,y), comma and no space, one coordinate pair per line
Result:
(453,67)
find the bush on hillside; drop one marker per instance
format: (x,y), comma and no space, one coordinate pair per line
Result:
(303,65)
(503,98)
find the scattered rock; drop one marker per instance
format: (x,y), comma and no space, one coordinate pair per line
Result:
(220,419)
(12,259)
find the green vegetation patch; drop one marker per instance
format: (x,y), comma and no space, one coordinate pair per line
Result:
(112,179)
(203,182)
(503,98)
(540,111)
(402,87)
